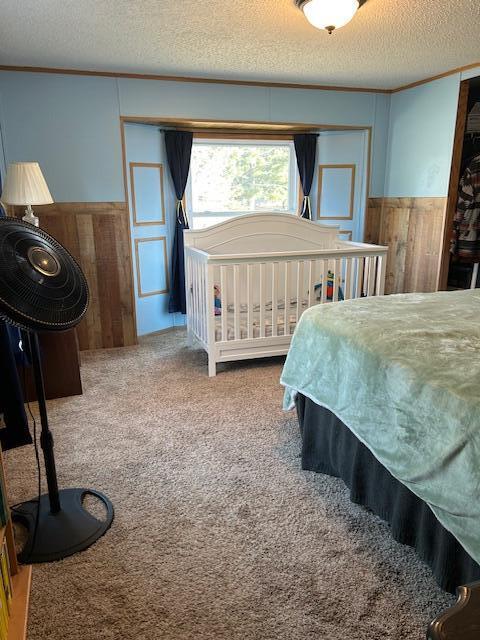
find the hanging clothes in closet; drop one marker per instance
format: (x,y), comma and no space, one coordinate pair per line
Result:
(466,241)
(14,431)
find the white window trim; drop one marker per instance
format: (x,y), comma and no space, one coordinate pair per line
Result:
(293,180)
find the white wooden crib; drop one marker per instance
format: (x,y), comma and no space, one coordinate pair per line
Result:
(248,281)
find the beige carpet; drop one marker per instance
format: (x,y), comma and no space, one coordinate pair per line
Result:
(218,534)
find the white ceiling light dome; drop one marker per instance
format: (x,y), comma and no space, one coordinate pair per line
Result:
(329,14)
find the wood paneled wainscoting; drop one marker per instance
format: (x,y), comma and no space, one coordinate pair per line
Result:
(412,228)
(97,235)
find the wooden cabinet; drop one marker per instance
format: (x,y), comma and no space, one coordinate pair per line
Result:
(61,366)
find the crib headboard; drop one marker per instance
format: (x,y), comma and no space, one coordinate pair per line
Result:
(261,232)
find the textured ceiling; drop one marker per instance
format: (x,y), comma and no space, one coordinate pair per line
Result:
(388,43)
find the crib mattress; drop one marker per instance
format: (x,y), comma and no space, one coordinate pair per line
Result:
(268,320)
(243,322)
(268,305)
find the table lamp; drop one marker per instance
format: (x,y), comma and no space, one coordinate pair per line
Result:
(25,185)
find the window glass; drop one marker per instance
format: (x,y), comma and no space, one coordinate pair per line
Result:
(230,178)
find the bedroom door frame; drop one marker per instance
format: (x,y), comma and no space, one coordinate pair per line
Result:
(452,197)
(245,127)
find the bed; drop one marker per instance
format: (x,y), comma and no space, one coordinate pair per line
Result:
(387,394)
(250,279)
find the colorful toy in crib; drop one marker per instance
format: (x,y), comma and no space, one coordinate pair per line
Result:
(330,281)
(217,300)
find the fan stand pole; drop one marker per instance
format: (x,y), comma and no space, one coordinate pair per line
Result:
(46,437)
(58,525)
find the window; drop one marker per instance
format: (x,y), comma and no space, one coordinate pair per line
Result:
(229,178)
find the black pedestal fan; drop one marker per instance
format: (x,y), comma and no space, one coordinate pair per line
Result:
(42,288)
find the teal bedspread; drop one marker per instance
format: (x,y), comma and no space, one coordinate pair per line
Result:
(403,373)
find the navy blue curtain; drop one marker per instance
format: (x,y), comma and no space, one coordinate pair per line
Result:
(15,432)
(179,151)
(306,152)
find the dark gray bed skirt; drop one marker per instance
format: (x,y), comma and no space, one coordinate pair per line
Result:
(330,447)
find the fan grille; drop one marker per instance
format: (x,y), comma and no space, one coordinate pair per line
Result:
(42,288)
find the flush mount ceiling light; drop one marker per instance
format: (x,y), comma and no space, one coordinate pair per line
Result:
(329,14)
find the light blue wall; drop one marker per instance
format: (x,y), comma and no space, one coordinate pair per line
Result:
(421,133)
(192,100)
(380,145)
(70,124)
(263,104)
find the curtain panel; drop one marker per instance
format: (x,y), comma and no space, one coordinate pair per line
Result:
(306,152)
(178,146)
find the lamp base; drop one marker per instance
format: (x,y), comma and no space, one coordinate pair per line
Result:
(30,217)
(54,536)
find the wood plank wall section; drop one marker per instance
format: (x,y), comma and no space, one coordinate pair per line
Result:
(412,228)
(97,235)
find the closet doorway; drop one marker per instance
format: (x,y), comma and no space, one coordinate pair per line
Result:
(461,259)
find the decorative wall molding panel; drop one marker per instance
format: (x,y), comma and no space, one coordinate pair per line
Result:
(336,191)
(148,196)
(151,266)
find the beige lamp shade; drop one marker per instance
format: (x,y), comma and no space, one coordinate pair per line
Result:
(25,185)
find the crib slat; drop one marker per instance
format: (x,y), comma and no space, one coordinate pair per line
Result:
(286,317)
(262,291)
(354,277)
(274,298)
(299,310)
(224,298)
(360,268)
(348,279)
(337,278)
(311,283)
(191,309)
(211,272)
(236,301)
(207,300)
(206,297)
(249,301)
(188,298)
(381,268)
(366,275)
(195,296)
(366,271)
(323,281)
(202,299)
(371,276)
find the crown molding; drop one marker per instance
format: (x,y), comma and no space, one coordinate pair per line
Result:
(194,79)
(243,83)
(452,72)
